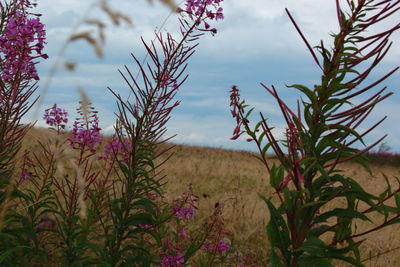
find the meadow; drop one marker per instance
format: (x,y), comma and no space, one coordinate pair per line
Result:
(236,178)
(74,197)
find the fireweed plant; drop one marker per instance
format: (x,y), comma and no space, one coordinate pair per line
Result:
(21,43)
(307,227)
(81,199)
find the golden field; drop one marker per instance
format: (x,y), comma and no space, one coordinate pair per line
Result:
(236,178)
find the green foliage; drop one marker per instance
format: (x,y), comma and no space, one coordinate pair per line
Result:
(66,203)
(322,134)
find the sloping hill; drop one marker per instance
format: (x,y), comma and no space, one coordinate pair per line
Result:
(234,179)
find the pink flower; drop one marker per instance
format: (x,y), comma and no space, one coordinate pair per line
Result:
(25,175)
(146,226)
(56,117)
(21,42)
(114,148)
(185,206)
(184,213)
(183,234)
(196,7)
(220,247)
(202,10)
(173,260)
(86,132)
(45,224)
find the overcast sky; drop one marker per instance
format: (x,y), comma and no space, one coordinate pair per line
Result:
(255,43)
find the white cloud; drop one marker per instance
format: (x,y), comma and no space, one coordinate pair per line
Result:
(253,30)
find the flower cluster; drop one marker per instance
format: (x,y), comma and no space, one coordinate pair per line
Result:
(25,4)
(27,164)
(172,254)
(214,242)
(183,234)
(56,117)
(45,224)
(21,37)
(25,175)
(176,260)
(220,246)
(185,206)
(237,112)
(116,149)
(247,260)
(86,132)
(196,8)
(203,10)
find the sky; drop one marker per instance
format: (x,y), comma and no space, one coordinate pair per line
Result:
(256,42)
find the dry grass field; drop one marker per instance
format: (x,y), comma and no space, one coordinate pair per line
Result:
(235,178)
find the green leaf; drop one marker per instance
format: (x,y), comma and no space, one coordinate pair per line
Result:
(274,259)
(394,221)
(248,113)
(314,203)
(261,137)
(277,230)
(265,148)
(315,262)
(276,177)
(9,252)
(4,158)
(145,203)
(397,198)
(139,218)
(317,248)
(317,231)
(340,213)
(309,93)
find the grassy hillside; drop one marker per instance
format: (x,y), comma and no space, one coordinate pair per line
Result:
(234,179)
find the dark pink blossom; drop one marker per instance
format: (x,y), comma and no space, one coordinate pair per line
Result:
(146,226)
(220,247)
(25,175)
(86,132)
(203,10)
(27,164)
(182,234)
(176,260)
(56,117)
(237,112)
(185,206)
(21,43)
(45,224)
(211,7)
(115,149)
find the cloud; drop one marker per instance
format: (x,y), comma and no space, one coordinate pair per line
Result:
(256,42)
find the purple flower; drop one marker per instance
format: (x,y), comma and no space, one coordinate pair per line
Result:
(202,10)
(220,247)
(56,117)
(182,234)
(25,175)
(21,39)
(173,260)
(184,207)
(223,246)
(46,224)
(183,213)
(146,226)
(196,7)
(115,148)
(86,132)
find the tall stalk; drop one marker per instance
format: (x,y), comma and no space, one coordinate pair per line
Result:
(321,133)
